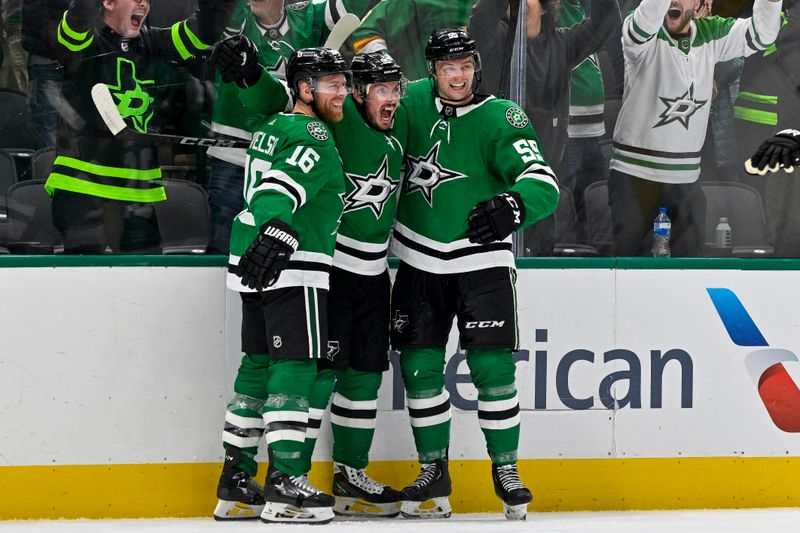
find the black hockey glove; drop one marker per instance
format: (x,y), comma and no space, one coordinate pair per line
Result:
(267,256)
(236,58)
(496,218)
(783,149)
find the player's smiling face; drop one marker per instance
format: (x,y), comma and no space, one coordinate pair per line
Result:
(381,103)
(329,95)
(126,17)
(679,15)
(454,79)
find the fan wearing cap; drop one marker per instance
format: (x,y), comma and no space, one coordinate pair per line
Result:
(474,175)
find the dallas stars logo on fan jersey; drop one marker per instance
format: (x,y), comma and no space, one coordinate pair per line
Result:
(427,174)
(680,109)
(371,191)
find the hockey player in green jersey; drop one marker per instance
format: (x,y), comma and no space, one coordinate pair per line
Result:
(358,302)
(474,176)
(281,251)
(277,29)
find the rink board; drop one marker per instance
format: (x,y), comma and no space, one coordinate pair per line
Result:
(635,394)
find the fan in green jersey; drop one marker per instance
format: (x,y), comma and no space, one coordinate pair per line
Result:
(474,175)
(281,252)
(277,28)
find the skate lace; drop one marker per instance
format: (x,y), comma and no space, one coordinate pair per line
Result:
(426,476)
(361,480)
(509,477)
(304,486)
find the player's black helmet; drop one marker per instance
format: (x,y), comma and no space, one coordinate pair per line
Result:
(311,63)
(450,43)
(376,67)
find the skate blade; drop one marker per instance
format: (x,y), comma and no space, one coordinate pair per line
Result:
(359,507)
(287,513)
(516,512)
(226,510)
(433,508)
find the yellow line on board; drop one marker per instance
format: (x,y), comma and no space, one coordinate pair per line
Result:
(188,489)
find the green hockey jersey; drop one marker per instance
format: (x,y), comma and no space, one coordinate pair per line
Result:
(586,93)
(371,160)
(403,27)
(455,158)
(303,25)
(292,174)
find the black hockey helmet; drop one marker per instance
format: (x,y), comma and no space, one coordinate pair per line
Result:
(307,64)
(376,67)
(450,43)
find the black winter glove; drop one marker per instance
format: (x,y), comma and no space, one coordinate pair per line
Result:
(783,149)
(267,256)
(236,58)
(496,218)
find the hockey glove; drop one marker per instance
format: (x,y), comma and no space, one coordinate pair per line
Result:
(236,58)
(496,218)
(267,256)
(782,150)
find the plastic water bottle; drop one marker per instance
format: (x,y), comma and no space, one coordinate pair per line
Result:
(723,233)
(661,232)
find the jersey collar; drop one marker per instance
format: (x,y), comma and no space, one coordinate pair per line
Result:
(449,110)
(277,30)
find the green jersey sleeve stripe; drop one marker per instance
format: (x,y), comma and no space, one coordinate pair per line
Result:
(124,194)
(72,34)
(194,39)
(639,30)
(755,115)
(177,42)
(113,172)
(758,98)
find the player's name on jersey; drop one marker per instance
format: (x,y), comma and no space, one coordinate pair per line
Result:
(263,142)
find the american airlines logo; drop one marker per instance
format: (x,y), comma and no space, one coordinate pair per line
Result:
(776,387)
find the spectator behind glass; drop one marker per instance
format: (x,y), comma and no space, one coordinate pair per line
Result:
(103,189)
(583,161)
(551,55)
(40,19)
(669,67)
(769,101)
(403,26)
(277,31)
(13,73)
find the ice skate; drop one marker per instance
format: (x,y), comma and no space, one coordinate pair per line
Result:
(294,500)
(239,496)
(510,489)
(427,496)
(357,494)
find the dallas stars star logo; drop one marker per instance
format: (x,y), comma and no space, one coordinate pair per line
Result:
(371,191)
(130,95)
(680,109)
(427,174)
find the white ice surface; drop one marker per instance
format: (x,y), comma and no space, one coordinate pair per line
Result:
(750,521)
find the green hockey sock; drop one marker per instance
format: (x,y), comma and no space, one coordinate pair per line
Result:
(492,372)
(285,412)
(428,401)
(324,382)
(353,412)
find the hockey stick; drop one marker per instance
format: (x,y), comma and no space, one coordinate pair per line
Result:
(341,31)
(105,105)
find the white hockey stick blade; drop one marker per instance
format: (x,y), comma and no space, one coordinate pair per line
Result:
(104,103)
(341,31)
